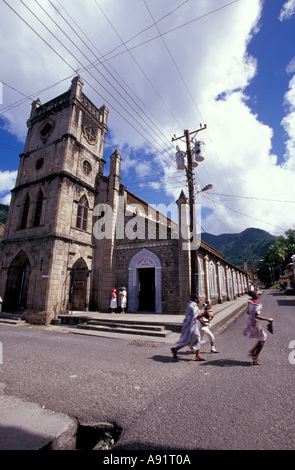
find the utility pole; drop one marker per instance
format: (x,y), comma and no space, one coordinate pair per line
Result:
(252,264)
(190,182)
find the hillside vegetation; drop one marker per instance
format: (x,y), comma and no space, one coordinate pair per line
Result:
(235,247)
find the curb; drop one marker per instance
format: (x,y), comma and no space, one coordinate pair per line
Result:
(28,426)
(226,317)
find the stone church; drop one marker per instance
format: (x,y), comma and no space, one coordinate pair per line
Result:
(73,233)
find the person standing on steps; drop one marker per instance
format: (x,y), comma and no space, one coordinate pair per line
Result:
(113,303)
(123,298)
(190,333)
(254,328)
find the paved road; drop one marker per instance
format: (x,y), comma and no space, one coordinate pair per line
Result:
(225,403)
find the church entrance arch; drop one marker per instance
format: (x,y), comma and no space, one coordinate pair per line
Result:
(145,282)
(78,286)
(17,285)
(146,289)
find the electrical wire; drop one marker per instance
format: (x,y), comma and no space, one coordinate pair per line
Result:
(161,35)
(67,63)
(177,69)
(140,68)
(45,27)
(255,198)
(139,113)
(169,31)
(250,217)
(172,59)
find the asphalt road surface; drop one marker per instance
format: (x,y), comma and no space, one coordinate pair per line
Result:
(224,403)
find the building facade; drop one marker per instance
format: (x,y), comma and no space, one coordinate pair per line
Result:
(73,234)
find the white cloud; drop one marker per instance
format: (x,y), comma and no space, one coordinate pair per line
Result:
(7,182)
(150,99)
(291,66)
(289,125)
(288,10)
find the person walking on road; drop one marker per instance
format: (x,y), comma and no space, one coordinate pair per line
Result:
(205,323)
(254,328)
(190,333)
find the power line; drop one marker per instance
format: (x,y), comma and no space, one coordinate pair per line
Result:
(29,97)
(249,216)
(139,66)
(150,124)
(172,59)
(68,64)
(169,31)
(48,30)
(255,198)
(84,68)
(176,66)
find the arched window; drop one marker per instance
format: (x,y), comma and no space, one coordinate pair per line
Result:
(223,282)
(82,214)
(212,279)
(26,206)
(17,285)
(200,279)
(235,283)
(38,211)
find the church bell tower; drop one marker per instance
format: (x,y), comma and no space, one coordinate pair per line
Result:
(47,251)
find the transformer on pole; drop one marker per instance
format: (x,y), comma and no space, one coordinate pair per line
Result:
(192,161)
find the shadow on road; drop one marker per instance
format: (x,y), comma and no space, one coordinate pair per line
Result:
(168,359)
(181,357)
(286,303)
(228,363)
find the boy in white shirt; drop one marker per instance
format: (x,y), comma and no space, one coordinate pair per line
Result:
(205,323)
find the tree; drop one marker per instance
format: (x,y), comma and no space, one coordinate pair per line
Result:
(278,256)
(277,253)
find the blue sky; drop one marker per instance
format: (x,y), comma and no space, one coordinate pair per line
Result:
(273,48)
(167,67)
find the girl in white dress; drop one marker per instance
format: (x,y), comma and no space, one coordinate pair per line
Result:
(254,328)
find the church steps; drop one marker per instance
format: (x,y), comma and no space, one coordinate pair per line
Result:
(126,324)
(125,328)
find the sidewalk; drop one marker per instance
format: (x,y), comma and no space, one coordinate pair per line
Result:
(224,314)
(27,426)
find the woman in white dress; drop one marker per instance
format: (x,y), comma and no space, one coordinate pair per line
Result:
(190,334)
(113,303)
(123,298)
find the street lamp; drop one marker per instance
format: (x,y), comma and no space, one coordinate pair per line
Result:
(187,161)
(206,188)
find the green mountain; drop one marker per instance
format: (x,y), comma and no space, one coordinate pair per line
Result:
(235,247)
